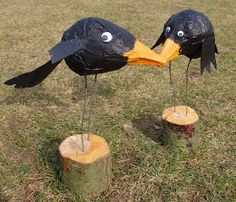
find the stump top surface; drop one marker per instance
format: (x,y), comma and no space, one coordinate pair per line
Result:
(97,148)
(180,115)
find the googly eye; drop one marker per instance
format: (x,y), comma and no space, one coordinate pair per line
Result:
(106,37)
(167,29)
(180,33)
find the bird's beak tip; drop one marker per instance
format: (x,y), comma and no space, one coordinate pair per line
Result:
(169,50)
(143,55)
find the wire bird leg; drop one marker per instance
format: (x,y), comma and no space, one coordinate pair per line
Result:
(93,103)
(186,87)
(84,111)
(171,84)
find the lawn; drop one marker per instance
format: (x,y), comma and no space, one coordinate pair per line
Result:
(130,101)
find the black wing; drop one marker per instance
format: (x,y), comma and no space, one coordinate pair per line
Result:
(65,49)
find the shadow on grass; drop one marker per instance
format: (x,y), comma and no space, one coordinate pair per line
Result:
(49,154)
(51,169)
(150,126)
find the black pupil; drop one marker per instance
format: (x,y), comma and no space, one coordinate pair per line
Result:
(104,37)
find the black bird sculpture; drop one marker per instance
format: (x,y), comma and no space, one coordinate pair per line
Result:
(89,47)
(189,33)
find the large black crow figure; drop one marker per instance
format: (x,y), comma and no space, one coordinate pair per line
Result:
(91,46)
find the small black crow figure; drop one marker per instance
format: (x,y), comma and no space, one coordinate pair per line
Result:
(91,46)
(189,33)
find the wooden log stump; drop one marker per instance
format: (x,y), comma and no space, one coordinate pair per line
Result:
(86,173)
(179,126)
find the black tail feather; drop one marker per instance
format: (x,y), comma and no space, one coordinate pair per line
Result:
(33,78)
(208,51)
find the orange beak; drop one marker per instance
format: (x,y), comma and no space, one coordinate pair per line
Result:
(169,50)
(142,55)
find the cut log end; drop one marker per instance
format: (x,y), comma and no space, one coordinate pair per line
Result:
(180,115)
(179,127)
(86,173)
(76,144)
(94,149)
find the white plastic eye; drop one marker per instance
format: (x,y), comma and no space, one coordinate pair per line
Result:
(106,37)
(167,29)
(180,33)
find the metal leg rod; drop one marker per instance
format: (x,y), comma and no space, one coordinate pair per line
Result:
(172,86)
(186,87)
(84,111)
(93,103)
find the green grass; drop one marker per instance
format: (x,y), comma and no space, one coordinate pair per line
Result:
(34,121)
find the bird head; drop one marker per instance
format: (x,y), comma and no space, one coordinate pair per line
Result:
(97,43)
(189,33)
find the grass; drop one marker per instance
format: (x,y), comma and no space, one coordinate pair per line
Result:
(130,101)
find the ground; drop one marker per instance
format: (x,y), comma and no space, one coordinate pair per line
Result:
(130,101)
